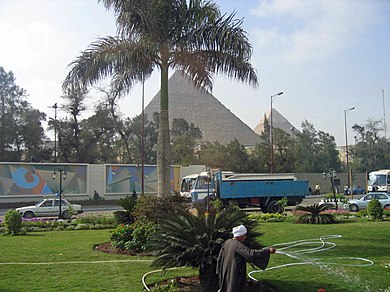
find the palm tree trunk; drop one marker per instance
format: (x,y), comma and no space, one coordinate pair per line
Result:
(164,145)
(208,278)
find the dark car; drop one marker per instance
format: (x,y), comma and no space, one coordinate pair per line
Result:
(356,190)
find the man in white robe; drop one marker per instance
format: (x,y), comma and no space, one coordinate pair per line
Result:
(232,259)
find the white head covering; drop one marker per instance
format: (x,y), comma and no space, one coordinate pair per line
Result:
(239,230)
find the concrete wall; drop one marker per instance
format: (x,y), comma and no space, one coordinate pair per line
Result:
(29,182)
(325,184)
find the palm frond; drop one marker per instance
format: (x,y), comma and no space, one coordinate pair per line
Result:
(313,214)
(127,61)
(183,239)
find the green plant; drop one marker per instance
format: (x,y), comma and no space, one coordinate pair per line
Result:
(121,235)
(171,286)
(194,240)
(150,208)
(12,222)
(126,217)
(313,214)
(340,197)
(283,202)
(70,211)
(140,240)
(375,210)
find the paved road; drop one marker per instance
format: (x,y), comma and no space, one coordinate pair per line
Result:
(101,209)
(87,209)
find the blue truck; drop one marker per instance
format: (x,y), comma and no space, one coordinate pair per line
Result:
(252,190)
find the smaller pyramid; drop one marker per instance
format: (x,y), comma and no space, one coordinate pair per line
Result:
(278,121)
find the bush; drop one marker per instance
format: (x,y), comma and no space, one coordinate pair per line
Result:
(149,207)
(141,237)
(314,214)
(12,222)
(121,235)
(95,219)
(375,210)
(339,197)
(126,217)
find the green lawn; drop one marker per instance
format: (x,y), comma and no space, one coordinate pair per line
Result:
(66,261)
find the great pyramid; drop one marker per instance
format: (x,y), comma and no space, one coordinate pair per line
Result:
(198,106)
(278,121)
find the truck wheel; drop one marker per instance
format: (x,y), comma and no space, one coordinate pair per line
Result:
(274,207)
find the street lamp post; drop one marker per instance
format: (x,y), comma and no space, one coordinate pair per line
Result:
(331,174)
(272,132)
(143,139)
(62,176)
(55,106)
(346,147)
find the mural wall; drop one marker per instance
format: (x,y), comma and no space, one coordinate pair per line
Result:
(29,179)
(128,178)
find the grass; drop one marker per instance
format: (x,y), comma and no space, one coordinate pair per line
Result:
(362,239)
(61,251)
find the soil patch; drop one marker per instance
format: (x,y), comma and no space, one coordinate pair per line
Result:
(107,247)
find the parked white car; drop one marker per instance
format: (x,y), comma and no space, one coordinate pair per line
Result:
(362,203)
(50,208)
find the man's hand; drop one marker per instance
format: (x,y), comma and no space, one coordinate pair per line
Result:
(272,250)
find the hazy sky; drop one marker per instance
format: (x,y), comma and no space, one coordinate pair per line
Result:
(326,56)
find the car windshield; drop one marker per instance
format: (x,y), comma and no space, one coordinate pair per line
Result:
(377,179)
(40,202)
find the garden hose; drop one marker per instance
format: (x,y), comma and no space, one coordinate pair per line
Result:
(323,245)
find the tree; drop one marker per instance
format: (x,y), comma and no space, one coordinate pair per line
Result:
(284,152)
(70,129)
(316,150)
(109,102)
(184,138)
(21,131)
(164,34)
(371,150)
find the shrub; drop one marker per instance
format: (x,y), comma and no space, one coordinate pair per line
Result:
(12,222)
(362,213)
(140,238)
(95,219)
(149,207)
(194,240)
(314,214)
(121,235)
(339,197)
(126,217)
(375,210)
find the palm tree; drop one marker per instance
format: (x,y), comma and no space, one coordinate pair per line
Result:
(313,214)
(188,35)
(185,239)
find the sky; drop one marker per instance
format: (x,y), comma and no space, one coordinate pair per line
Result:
(325,56)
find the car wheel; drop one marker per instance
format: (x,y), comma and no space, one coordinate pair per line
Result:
(386,207)
(28,215)
(274,207)
(66,214)
(353,208)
